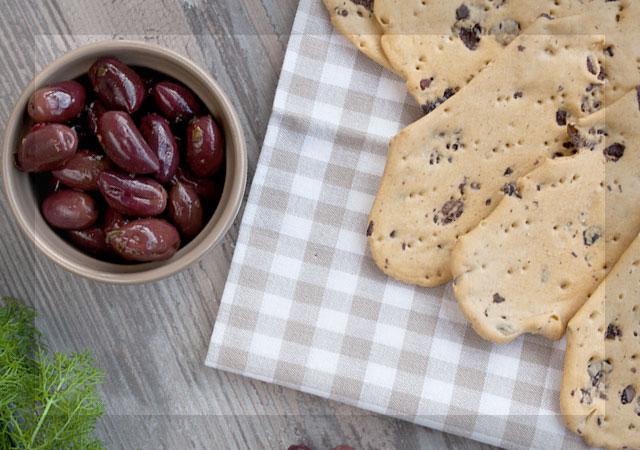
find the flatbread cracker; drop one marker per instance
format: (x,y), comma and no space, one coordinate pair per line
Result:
(355,20)
(600,395)
(439,46)
(445,172)
(537,257)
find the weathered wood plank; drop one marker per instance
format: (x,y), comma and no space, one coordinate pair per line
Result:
(151,340)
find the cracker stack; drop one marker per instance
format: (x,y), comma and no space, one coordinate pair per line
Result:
(516,183)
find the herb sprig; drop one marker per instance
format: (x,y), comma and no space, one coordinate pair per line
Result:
(46,401)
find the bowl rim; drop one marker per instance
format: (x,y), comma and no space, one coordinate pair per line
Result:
(237,186)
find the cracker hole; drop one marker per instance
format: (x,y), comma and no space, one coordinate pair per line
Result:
(564,285)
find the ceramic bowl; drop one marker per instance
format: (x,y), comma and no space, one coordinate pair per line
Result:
(21,191)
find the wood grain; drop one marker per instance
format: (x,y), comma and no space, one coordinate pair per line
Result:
(151,340)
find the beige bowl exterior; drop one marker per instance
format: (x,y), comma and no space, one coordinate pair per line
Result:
(20,190)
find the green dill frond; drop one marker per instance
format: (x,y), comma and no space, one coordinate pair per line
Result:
(46,401)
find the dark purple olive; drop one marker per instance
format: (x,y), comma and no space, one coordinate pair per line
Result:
(206,188)
(156,131)
(59,102)
(299,447)
(118,86)
(124,144)
(70,210)
(149,79)
(114,220)
(137,196)
(46,184)
(205,146)
(82,169)
(145,240)
(185,210)
(93,111)
(86,139)
(175,102)
(46,147)
(92,240)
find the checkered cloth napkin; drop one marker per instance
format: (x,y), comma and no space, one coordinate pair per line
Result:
(305,306)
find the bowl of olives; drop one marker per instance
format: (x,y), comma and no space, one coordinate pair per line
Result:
(124,162)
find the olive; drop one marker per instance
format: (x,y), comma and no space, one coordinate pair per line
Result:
(117,85)
(92,240)
(59,102)
(134,196)
(206,188)
(145,240)
(175,102)
(114,220)
(205,146)
(82,169)
(124,144)
(46,147)
(185,209)
(93,111)
(157,132)
(70,210)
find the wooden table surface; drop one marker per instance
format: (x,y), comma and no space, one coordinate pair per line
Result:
(151,340)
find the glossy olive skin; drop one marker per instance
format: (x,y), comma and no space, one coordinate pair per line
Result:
(175,102)
(70,210)
(205,146)
(114,220)
(82,169)
(46,147)
(156,131)
(185,210)
(59,102)
(117,85)
(93,111)
(92,240)
(206,188)
(124,144)
(145,240)
(137,196)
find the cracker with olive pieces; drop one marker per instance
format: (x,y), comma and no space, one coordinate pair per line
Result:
(446,172)
(600,394)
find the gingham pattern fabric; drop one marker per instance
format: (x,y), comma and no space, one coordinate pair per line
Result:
(305,306)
